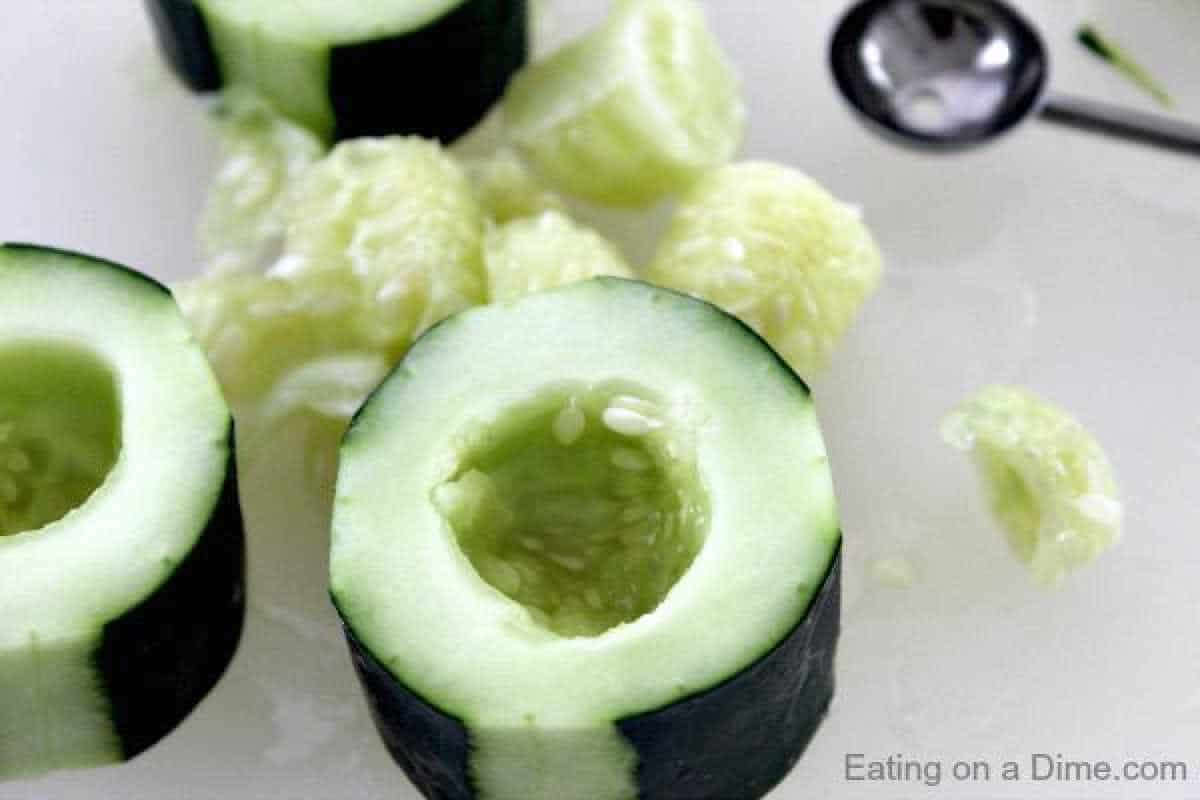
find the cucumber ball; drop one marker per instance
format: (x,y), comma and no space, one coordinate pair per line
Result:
(528,255)
(771,246)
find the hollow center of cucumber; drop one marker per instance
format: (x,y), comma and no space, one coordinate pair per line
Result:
(584,505)
(60,431)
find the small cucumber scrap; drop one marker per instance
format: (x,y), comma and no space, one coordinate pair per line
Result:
(1050,483)
(528,255)
(771,246)
(262,155)
(633,111)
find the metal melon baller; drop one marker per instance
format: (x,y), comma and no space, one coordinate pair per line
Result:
(950,74)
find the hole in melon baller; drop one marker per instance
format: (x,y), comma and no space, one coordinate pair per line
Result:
(583,504)
(60,431)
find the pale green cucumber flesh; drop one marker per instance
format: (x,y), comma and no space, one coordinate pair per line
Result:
(773,247)
(382,240)
(633,111)
(507,189)
(541,252)
(263,155)
(1049,482)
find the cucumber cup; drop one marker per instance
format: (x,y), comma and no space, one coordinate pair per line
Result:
(584,560)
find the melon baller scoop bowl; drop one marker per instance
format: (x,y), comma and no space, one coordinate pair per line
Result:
(951,74)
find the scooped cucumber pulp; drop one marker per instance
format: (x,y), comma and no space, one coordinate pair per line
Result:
(535,253)
(121,543)
(769,244)
(344,70)
(1049,481)
(633,111)
(609,566)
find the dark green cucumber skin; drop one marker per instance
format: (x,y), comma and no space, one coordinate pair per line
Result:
(183,36)
(436,82)
(734,741)
(430,746)
(161,658)
(32,252)
(739,739)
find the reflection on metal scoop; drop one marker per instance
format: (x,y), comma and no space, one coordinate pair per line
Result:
(949,74)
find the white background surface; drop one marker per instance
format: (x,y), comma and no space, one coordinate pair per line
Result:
(1063,261)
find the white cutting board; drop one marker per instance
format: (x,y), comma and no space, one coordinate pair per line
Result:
(1056,259)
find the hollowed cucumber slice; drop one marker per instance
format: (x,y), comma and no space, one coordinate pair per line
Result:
(579,559)
(120,535)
